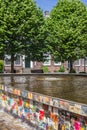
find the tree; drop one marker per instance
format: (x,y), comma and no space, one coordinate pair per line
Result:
(67,31)
(21,23)
(1,51)
(1,66)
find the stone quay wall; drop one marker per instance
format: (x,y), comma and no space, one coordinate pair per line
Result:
(48,113)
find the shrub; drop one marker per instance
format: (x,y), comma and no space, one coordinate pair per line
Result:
(62,69)
(73,71)
(1,66)
(45,69)
(55,70)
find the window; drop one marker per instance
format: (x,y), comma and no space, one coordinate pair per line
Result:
(18,60)
(48,60)
(57,63)
(77,63)
(8,60)
(84,61)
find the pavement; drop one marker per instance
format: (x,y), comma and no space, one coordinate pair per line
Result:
(8,122)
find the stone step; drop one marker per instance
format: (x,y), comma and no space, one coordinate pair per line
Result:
(26,70)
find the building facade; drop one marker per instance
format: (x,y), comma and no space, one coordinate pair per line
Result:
(22,63)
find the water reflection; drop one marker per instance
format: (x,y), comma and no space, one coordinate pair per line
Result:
(67,87)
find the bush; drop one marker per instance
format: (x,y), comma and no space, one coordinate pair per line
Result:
(45,69)
(1,66)
(73,71)
(55,71)
(62,69)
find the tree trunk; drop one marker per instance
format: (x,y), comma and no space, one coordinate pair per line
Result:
(84,65)
(71,66)
(12,63)
(1,56)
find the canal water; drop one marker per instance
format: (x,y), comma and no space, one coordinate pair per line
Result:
(69,87)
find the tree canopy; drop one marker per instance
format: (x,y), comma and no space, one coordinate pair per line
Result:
(67,30)
(21,29)
(1,51)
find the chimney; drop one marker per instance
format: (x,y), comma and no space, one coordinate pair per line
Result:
(46,13)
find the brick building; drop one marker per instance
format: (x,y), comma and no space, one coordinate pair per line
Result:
(22,63)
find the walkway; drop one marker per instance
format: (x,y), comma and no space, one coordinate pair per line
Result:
(8,122)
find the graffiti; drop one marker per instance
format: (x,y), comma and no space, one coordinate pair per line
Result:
(45,112)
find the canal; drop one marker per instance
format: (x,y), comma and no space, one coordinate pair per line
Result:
(69,87)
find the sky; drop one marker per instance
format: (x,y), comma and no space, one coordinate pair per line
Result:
(47,5)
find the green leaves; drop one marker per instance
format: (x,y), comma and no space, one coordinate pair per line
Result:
(67,29)
(20,27)
(1,66)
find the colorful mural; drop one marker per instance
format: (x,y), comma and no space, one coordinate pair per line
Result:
(45,112)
